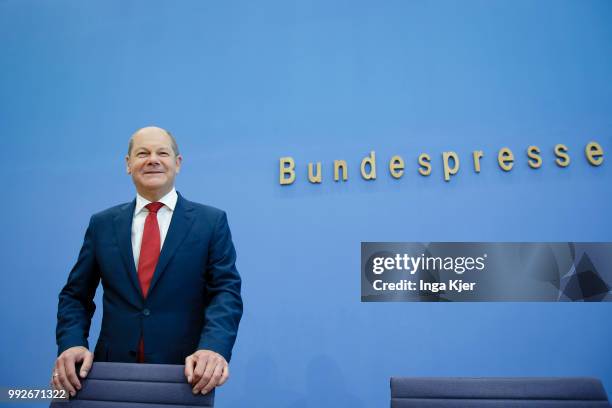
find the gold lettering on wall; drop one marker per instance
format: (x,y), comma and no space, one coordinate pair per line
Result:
(287,167)
(477,155)
(505,159)
(594,153)
(563,159)
(535,161)
(314,178)
(340,164)
(396,167)
(371,161)
(448,170)
(424,164)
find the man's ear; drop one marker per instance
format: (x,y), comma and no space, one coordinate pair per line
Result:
(179,161)
(127,165)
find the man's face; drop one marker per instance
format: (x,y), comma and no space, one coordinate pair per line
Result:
(152,162)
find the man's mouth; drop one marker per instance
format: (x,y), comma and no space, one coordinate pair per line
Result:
(153,172)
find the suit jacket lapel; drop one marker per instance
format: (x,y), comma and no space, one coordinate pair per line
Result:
(181,222)
(123,231)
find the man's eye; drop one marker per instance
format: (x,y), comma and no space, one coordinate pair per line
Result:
(163,154)
(141,154)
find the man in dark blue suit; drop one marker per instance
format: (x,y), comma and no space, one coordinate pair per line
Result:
(167,266)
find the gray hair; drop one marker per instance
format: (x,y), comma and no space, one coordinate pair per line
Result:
(172,141)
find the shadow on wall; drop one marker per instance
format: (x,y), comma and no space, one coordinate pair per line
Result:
(325,386)
(265,386)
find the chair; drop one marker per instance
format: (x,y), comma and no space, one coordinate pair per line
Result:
(409,392)
(128,385)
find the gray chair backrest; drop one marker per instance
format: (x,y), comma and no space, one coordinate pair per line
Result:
(412,392)
(114,385)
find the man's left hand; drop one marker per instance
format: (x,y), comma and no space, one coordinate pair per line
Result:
(206,370)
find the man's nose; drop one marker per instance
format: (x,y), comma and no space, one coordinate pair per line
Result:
(153,160)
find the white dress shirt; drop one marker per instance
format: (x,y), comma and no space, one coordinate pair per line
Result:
(164,216)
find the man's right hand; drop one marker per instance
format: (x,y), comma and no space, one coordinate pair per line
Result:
(64,375)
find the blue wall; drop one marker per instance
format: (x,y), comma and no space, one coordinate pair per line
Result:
(243,83)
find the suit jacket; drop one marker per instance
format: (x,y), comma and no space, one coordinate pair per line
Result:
(193,302)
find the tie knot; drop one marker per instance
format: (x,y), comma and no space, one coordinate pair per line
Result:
(154,207)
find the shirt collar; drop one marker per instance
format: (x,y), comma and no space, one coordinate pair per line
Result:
(169,200)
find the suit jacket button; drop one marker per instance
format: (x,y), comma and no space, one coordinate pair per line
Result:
(146,312)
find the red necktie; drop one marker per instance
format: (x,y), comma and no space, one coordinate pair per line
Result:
(149,254)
